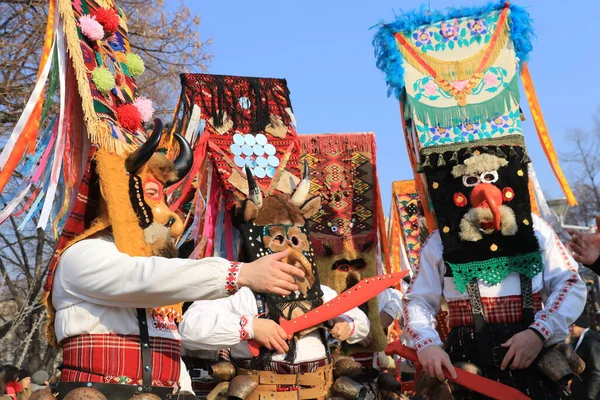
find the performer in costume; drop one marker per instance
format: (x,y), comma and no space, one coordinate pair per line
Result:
(113,273)
(511,287)
(271,225)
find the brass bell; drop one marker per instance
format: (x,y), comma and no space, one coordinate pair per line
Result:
(43,394)
(218,391)
(346,367)
(575,362)
(552,364)
(241,387)
(84,393)
(223,371)
(145,396)
(349,389)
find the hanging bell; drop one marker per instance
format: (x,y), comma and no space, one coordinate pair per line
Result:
(500,153)
(441,162)
(241,387)
(349,389)
(512,153)
(525,159)
(468,153)
(426,163)
(454,158)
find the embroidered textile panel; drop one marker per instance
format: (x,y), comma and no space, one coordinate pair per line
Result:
(248,122)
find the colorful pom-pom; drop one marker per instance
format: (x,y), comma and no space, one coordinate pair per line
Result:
(135,64)
(108,18)
(91,28)
(103,79)
(129,117)
(145,107)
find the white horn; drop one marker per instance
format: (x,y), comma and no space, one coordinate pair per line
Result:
(254,194)
(301,193)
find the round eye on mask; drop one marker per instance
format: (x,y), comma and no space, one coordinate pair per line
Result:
(343,267)
(152,190)
(470,180)
(489,177)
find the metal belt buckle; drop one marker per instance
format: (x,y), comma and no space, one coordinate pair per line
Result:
(498,354)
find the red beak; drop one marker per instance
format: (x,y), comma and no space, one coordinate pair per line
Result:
(488,195)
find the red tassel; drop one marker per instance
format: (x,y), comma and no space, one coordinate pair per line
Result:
(108,18)
(129,117)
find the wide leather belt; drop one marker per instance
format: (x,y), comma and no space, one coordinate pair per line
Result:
(317,384)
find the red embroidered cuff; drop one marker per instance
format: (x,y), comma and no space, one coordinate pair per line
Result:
(541,328)
(231,285)
(244,334)
(425,343)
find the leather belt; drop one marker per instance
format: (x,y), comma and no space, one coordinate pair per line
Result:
(318,382)
(146,350)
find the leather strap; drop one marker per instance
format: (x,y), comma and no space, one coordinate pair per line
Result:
(146,350)
(300,394)
(301,379)
(527,300)
(476,305)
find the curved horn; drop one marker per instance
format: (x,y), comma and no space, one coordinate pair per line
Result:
(301,192)
(184,161)
(138,158)
(254,194)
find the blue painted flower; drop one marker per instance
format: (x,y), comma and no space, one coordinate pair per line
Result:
(438,132)
(422,37)
(502,121)
(468,128)
(477,27)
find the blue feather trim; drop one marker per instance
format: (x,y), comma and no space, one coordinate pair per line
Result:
(389,58)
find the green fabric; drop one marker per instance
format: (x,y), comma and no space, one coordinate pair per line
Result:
(494,271)
(478,112)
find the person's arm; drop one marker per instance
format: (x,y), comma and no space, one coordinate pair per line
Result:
(357,320)
(423,298)
(95,271)
(218,324)
(185,381)
(390,306)
(586,247)
(566,292)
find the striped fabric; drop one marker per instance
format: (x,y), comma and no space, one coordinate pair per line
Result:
(286,368)
(101,358)
(498,310)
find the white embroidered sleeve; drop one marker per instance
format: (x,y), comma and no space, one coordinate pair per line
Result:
(95,271)
(563,289)
(218,324)
(423,297)
(390,302)
(359,322)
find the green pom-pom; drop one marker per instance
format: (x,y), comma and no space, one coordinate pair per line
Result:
(135,64)
(103,79)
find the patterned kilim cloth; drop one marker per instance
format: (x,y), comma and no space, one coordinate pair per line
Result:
(345,231)
(245,121)
(408,230)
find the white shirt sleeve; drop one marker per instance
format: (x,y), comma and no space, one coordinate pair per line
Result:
(357,319)
(95,271)
(563,289)
(422,299)
(185,381)
(221,323)
(390,302)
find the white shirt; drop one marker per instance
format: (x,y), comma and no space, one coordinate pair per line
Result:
(563,292)
(390,301)
(216,324)
(97,289)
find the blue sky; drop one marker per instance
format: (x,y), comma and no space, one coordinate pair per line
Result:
(323,49)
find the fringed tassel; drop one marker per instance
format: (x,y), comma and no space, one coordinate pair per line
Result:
(336,143)
(458,70)
(477,112)
(512,153)
(441,162)
(454,158)
(500,153)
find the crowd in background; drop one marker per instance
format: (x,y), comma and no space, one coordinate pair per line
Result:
(19,384)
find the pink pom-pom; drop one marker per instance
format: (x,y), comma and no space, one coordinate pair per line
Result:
(91,28)
(145,107)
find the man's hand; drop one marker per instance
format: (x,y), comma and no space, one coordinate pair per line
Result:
(268,333)
(341,329)
(269,275)
(432,359)
(585,246)
(524,347)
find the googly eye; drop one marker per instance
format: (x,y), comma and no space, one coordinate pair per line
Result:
(470,180)
(489,177)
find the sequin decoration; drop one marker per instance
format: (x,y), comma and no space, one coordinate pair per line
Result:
(256,152)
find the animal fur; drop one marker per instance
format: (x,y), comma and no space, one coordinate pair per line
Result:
(470,225)
(161,167)
(478,165)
